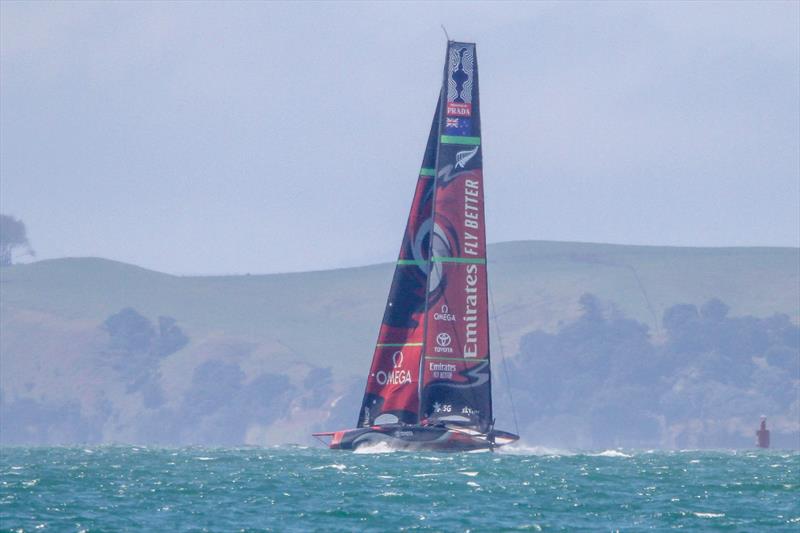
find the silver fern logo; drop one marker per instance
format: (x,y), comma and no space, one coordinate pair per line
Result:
(462,158)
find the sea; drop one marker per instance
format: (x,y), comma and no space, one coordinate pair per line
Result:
(298,488)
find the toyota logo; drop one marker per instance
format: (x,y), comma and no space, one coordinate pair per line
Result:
(443,339)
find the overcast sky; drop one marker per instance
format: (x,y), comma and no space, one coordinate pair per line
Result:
(265,137)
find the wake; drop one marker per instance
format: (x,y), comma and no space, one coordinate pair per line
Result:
(546,451)
(378,447)
(524,449)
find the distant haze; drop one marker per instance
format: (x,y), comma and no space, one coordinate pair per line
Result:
(265,137)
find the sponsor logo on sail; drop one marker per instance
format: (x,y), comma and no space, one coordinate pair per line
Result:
(442,370)
(444,315)
(471,312)
(442,407)
(459,109)
(472,212)
(397,376)
(472,232)
(443,340)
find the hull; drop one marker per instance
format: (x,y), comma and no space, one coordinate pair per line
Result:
(418,438)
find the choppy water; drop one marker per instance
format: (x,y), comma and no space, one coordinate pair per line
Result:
(306,489)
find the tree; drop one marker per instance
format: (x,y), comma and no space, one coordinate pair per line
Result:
(130,331)
(170,337)
(12,236)
(714,309)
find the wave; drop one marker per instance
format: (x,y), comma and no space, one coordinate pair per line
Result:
(378,447)
(334,466)
(609,453)
(523,449)
(546,451)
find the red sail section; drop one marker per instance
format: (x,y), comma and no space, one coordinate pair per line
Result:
(456,368)
(392,392)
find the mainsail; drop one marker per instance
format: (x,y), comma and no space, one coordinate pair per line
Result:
(456,384)
(431,362)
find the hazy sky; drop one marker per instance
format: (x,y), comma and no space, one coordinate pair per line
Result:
(264,137)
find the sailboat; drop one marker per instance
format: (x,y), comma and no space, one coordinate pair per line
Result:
(429,385)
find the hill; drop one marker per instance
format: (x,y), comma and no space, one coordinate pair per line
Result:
(309,335)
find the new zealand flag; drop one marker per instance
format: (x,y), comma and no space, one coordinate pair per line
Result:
(458,126)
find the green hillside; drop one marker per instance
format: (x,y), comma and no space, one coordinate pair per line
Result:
(53,350)
(319,314)
(331,317)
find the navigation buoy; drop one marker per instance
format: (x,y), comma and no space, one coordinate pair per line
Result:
(762,435)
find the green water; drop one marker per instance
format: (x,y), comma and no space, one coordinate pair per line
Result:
(306,489)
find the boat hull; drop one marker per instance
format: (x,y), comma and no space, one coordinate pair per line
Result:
(418,438)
